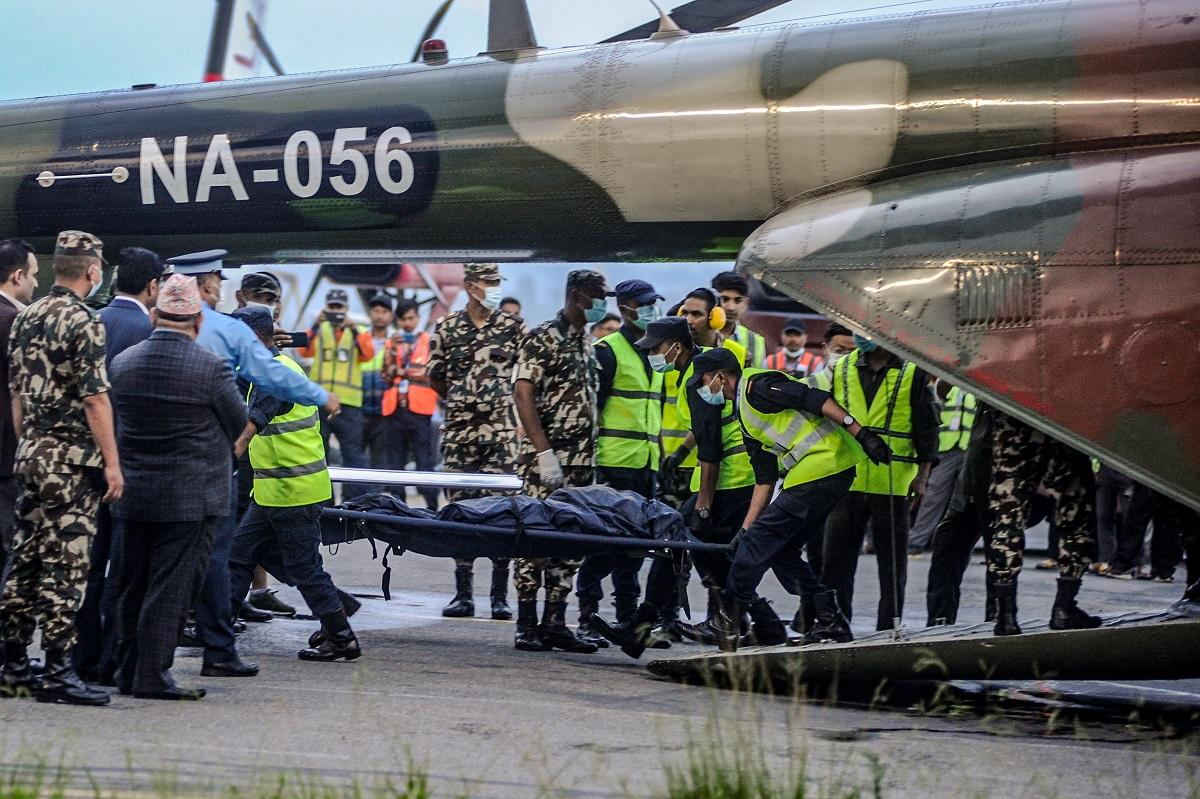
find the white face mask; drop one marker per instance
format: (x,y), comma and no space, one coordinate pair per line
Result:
(793,353)
(96,286)
(491,297)
(662,362)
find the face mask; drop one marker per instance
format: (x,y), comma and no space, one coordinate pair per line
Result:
(598,311)
(647,314)
(863,343)
(270,308)
(96,288)
(491,297)
(793,353)
(660,362)
(710,396)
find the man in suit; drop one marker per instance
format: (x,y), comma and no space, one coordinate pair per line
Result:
(179,411)
(18,279)
(126,322)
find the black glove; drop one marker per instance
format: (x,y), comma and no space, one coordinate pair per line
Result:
(875,447)
(672,462)
(700,524)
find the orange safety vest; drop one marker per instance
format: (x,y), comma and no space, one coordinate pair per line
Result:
(411,362)
(808,364)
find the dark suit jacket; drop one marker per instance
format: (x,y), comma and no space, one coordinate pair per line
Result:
(125,324)
(8,434)
(180,414)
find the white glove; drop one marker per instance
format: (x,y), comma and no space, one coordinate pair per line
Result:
(549,469)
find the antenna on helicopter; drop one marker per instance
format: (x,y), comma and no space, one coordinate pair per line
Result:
(509,27)
(667,28)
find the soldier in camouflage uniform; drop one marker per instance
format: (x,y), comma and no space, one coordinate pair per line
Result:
(1023,459)
(471,357)
(66,455)
(556,382)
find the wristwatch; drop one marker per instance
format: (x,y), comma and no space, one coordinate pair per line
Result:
(848,421)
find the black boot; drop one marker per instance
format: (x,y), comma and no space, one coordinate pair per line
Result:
(350,603)
(1066,615)
(556,634)
(1006,607)
(60,683)
(727,623)
(339,641)
(829,623)
(1189,606)
(589,610)
(500,609)
(633,635)
(766,628)
(17,674)
(463,604)
(703,633)
(805,616)
(666,632)
(625,609)
(989,607)
(528,637)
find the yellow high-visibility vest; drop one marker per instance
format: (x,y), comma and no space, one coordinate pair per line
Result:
(288,457)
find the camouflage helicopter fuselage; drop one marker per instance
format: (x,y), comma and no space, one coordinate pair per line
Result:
(1005,193)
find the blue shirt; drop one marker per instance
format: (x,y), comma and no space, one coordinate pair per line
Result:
(240,348)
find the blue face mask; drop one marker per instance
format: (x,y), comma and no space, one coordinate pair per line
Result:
(598,311)
(711,397)
(647,314)
(865,344)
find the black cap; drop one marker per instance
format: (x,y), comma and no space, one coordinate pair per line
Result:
(669,328)
(638,291)
(588,280)
(256,318)
(795,323)
(382,300)
(337,297)
(261,283)
(712,361)
(199,263)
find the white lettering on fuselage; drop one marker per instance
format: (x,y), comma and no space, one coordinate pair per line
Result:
(303,173)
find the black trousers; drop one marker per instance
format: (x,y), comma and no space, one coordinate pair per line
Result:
(888,517)
(955,536)
(409,437)
(96,623)
(794,518)
(162,564)
(621,566)
(287,543)
(1172,522)
(9,488)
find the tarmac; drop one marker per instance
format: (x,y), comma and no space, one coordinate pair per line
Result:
(453,700)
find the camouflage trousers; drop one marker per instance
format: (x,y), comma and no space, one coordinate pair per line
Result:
(56,521)
(558,576)
(1023,460)
(483,457)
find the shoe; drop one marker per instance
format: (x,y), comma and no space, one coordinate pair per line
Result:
(663,634)
(726,623)
(528,637)
(61,685)
(1102,569)
(499,594)
(248,612)
(1115,573)
(703,632)
(829,623)
(632,636)
(229,668)
(339,642)
(17,673)
(239,627)
(1189,605)
(462,605)
(1163,578)
(586,629)
(802,622)
(556,634)
(1066,615)
(189,636)
(1006,608)
(268,601)
(766,627)
(1047,565)
(175,692)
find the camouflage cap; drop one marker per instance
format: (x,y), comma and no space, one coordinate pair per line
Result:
(77,242)
(178,297)
(588,280)
(477,272)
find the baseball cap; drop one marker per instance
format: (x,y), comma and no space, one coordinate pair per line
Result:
(337,297)
(255,317)
(261,283)
(638,291)
(669,328)
(713,360)
(795,323)
(78,242)
(588,280)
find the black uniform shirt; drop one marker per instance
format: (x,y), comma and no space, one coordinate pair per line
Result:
(706,423)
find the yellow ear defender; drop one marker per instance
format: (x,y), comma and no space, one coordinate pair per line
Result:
(716,317)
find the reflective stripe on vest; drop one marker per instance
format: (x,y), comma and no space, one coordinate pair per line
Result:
(890,416)
(804,364)
(631,421)
(418,398)
(335,365)
(288,457)
(808,447)
(754,344)
(736,471)
(957,419)
(674,431)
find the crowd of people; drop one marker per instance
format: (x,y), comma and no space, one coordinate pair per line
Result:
(162,458)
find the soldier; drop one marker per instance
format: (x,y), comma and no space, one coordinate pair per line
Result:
(1023,458)
(471,357)
(555,386)
(66,455)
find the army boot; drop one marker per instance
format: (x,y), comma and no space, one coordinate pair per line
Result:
(633,636)
(589,612)
(1006,607)
(61,685)
(1066,615)
(727,623)
(500,609)
(1189,605)
(339,641)
(17,674)
(666,632)
(556,634)
(766,629)
(829,623)
(528,637)
(703,633)
(463,604)
(990,604)
(805,616)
